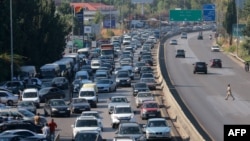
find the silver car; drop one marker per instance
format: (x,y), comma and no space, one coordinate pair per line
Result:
(143,96)
(116,100)
(106,85)
(8,98)
(157,128)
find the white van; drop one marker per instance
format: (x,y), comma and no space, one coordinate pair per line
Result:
(90,85)
(83,75)
(31,94)
(89,94)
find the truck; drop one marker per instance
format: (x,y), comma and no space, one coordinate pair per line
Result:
(107,50)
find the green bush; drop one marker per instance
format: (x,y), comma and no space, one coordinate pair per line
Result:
(232,48)
(110,33)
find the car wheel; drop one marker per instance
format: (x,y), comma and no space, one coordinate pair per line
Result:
(95,106)
(194,72)
(10,103)
(51,114)
(205,72)
(115,89)
(109,90)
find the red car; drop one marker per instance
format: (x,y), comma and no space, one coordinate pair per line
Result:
(216,63)
(150,109)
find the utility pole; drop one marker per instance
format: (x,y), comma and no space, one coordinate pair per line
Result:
(11,41)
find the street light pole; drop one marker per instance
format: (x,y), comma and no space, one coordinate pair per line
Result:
(237,15)
(11,41)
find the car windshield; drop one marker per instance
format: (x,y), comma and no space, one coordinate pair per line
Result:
(87,93)
(86,123)
(91,114)
(26,113)
(144,95)
(86,136)
(103,82)
(100,75)
(157,124)
(79,100)
(118,99)
(130,130)
(140,85)
(148,80)
(121,110)
(29,95)
(58,103)
(151,105)
(140,64)
(122,75)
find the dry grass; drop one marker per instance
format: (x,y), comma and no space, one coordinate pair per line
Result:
(117,32)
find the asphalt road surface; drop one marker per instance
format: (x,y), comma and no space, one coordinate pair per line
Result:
(204,94)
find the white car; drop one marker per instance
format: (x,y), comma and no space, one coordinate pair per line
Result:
(86,123)
(173,42)
(116,100)
(22,132)
(31,94)
(95,114)
(122,113)
(143,96)
(215,48)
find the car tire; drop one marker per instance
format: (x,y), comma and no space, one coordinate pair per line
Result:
(10,103)
(95,106)
(194,72)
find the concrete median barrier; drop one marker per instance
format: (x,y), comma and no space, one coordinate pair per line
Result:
(182,124)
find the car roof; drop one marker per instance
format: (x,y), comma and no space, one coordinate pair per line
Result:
(123,105)
(30,90)
(90,112)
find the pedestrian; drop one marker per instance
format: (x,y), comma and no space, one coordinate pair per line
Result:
(247,67)
(52,127)
(37,119)
(46,131)
(229,92)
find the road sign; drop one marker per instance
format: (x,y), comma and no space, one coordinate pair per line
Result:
(208,12)
(185,15)
(237,30)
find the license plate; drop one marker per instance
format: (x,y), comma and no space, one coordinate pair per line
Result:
(82,109)
(151,114)
(61,111)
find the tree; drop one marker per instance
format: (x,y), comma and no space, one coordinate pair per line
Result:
(230,19)
(98,17)
(38,33)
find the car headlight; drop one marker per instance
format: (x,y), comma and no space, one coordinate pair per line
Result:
(128,80)
(144,110)
(135,90)
(68,108)
(54,109)
(117,80)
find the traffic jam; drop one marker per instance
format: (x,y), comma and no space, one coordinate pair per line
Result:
(112,86)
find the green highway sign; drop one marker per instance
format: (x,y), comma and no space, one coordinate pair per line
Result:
(185,15)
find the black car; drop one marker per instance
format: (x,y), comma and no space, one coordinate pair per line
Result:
(20,124)
(200,36)
(216,63)
(180,53)
(50,93)
(78,105)
(146,69)
(140,87)
(60,82)
(200,67)
(55,107)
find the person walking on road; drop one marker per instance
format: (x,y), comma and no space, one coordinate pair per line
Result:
(37,119)
(52,127)
(46,131)
(229,92)
(247,67)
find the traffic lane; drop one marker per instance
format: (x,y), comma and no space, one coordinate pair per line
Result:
(208,91)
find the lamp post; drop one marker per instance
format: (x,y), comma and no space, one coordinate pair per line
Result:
(110,14)
(237,17)
(11,41)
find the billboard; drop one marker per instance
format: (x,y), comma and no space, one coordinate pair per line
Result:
(79,14)
(109,23)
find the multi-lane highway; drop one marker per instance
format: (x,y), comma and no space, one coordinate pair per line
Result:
(204,94)
(64,123)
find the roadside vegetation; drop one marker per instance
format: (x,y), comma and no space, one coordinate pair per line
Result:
(40,28)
